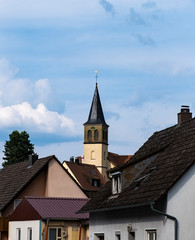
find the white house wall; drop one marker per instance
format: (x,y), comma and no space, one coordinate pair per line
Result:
(181,204)
(109,222)
(24,225)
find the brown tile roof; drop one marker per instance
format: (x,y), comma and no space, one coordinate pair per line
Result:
(118,160)
(32,208)
(84,174)
(174,151)
(15,177)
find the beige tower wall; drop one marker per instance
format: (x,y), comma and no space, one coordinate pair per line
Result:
(96,154)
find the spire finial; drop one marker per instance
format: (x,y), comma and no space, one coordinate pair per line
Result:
(96,76)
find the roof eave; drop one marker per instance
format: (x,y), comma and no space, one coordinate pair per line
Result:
(118,207)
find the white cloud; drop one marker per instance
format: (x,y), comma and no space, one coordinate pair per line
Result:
(37,119)
(16,110)
(14,90)
(43,89)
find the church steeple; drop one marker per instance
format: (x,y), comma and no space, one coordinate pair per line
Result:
(96,136)
(96,115)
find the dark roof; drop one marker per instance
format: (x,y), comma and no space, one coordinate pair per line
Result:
(85,173)
(32,208)
(15,177)
(118,160)
(173,151)
(96,115)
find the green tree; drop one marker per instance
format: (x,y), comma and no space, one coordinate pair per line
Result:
(17,148)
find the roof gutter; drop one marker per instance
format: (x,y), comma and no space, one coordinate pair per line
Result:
(116,208)
(168,216)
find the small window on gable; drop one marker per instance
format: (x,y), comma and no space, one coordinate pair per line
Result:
(116,183)
(96,182)
(16,203)
(89,135)
(96,135)
(151,234)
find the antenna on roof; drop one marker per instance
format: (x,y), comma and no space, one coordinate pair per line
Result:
(96,75)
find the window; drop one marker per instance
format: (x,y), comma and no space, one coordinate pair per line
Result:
(29,233)
(105,135)
(116,183)
(16,203)
(89,135)
(96,182)
(92,155)
(96,135)
(151,234)
(117,235)
(99,236)
(131,236)
(55,234)
(18,234)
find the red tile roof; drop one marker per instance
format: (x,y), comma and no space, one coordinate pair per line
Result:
(84,174)
(32,208)
(118,160)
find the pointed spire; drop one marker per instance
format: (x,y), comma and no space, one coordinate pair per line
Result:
(96,115)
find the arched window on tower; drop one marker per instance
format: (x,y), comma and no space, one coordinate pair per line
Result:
(96,135)
(89,135)
(105,135)
(92,155)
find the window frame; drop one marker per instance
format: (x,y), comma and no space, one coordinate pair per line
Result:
(96,134)
(89,135)
(57,232)
(116,182)
(29,233)
(151,234)
(99,236)
(18,233)
(117,235)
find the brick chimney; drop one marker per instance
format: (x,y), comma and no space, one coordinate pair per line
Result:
(184,115)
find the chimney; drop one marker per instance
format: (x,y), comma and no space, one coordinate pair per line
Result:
(184,115)
(72,159)
(32,159)
(78,160)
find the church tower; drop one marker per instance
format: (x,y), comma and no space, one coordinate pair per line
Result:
(96,137)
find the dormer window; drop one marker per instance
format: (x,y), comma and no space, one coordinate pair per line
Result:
(96,182)
(116,183)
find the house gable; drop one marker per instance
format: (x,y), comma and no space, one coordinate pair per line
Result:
(61,184)
(24,212)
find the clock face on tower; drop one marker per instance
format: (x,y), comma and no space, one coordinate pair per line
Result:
(92,128)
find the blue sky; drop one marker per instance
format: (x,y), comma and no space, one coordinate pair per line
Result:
(144,52)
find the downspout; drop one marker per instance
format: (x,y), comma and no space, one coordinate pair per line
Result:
(168,216)
(80,232)
(40,228)
(46,229)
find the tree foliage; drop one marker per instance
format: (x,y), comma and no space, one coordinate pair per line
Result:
(17,148)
